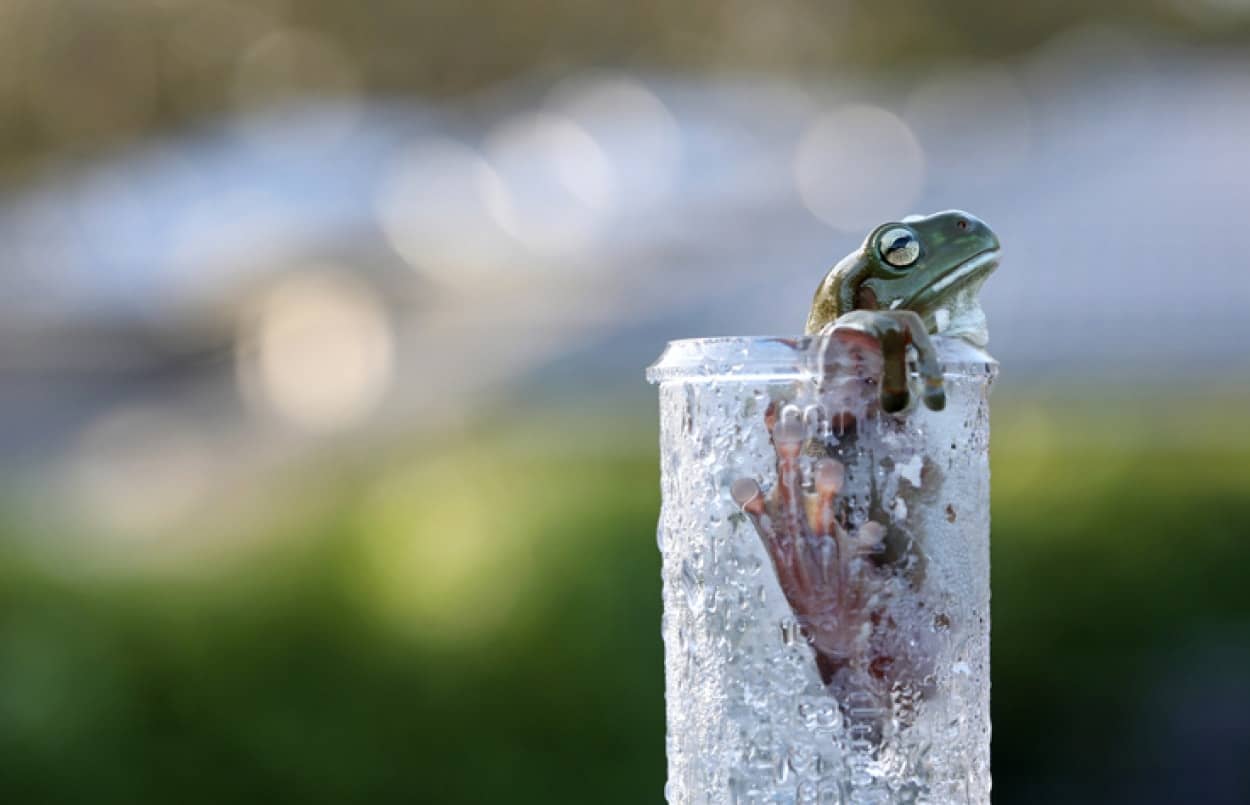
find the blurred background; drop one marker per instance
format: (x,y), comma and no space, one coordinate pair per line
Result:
(327,468)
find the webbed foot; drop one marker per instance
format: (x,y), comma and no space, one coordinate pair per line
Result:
(853,607)
(824,567)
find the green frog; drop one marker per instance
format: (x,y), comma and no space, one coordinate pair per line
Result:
(910,278)
(853,582)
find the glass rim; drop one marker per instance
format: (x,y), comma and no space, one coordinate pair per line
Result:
(773,357)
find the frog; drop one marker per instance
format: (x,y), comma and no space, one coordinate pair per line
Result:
(907,280)
(846,577)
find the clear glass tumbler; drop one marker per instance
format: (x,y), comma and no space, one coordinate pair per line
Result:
(826,576)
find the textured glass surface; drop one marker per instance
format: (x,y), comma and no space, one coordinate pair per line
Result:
(840,657)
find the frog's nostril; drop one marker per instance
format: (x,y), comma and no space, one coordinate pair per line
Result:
(962,224)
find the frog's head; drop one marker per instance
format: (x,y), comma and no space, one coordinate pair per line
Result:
(931,264)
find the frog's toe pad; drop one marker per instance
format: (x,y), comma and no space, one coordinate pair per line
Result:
(746,493)
(935,398)
(894,401)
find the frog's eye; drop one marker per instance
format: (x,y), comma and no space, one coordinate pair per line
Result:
(899,246)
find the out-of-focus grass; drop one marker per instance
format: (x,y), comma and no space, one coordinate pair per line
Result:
(480,624)
(1120,542)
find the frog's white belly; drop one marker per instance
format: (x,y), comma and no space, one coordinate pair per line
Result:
(963,317)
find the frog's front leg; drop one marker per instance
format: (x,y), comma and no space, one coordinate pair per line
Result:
(895,330)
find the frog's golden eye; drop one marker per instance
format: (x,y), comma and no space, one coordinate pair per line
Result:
(899,247)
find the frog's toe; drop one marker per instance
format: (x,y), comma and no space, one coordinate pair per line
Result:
(934,396)
(747,494)
(895,392)
(870,535)
(828,478)
(750,498)
(895,400)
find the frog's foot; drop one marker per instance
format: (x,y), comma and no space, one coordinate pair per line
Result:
(894,331)
(824,567)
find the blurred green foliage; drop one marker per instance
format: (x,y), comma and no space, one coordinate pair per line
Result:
(480,623)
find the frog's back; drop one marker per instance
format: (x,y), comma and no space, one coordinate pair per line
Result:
(835,295)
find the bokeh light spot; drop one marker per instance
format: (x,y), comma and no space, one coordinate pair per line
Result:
(137,471)
(319,351)
(559,180)
(438,205)
(446,553)
(291,62)
(287,67)
(632,127)
(857,166)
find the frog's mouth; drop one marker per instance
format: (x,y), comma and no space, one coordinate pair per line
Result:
(968,274)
